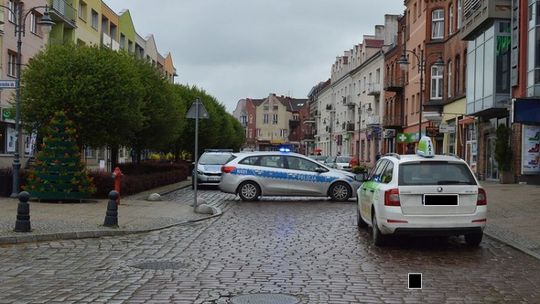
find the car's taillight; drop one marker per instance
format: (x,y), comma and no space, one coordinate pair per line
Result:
(227,169)
(482,198)
(391,197)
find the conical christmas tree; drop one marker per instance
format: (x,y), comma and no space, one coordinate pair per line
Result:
(58,173)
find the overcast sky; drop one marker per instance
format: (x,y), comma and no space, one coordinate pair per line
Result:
(249,48)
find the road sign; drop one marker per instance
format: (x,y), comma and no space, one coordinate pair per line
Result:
(8,84)
(446,128)
(192,112)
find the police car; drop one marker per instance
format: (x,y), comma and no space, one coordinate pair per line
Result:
(422,194)
(281,173)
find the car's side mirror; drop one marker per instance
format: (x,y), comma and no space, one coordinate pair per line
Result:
(361,177)
(320,170)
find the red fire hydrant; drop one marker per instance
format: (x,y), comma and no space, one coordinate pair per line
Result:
(117,176)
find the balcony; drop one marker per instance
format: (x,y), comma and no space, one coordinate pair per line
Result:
(373,120)
(392,121)
(394,85)
(309,137)
(349,127)
(62,11)
(479,13)
(374,89)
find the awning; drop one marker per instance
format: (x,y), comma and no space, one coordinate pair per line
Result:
(467,120)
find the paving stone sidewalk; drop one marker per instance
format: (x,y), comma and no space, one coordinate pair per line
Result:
(514,215)
(53,221)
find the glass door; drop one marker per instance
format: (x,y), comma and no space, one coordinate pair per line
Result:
(492,172)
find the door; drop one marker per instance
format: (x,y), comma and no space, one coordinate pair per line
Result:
(303,178)
(271,175)
(368,188)
(492,172)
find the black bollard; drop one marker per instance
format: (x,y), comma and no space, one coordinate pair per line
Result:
(111,219)
(23,213)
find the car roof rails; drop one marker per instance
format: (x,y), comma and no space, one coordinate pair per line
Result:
(394,155)
(218,150)
(453,155)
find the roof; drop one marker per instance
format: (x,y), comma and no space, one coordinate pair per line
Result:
(374,43)
(414,157)
(292,104)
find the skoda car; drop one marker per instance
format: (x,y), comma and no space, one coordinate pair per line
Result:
(422,194)
(209,167)
(251,175)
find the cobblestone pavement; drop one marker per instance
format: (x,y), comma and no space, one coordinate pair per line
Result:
(309,249)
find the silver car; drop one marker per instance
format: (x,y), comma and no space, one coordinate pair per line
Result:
(251,175)
(209,167)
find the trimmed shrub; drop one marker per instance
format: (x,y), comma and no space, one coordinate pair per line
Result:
(139,178)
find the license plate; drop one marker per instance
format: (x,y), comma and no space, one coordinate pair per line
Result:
(441,200)
(214,179)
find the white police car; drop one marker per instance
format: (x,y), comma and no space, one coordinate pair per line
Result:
(280,173)
(422,194)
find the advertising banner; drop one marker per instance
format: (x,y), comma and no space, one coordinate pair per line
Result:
(530,160)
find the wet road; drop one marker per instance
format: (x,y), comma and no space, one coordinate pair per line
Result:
(309,249)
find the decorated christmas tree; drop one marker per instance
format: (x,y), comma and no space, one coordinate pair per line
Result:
(58,173)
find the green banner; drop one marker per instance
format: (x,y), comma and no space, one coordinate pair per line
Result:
(8,113)
(406,137)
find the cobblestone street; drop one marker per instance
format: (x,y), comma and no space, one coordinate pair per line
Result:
(310,249)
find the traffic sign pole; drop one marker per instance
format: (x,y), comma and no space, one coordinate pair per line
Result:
(196,166)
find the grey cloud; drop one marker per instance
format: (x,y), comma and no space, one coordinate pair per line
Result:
(249,48)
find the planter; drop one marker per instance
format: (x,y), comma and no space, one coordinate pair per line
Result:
(506,177)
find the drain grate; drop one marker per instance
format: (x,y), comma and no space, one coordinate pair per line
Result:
(161,265)
(264,298)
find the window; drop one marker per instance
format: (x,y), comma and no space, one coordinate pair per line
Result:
(89,153)
(387,174)
(436,82)
(450,87)
(458,23)
(243,120)
(82,10)
(123,44)
(435,173)
(283,133)
(11,6)
(252,160)
(95,19)
(33,23)
(450,19)
(265,119)
(275,119)
(376,174)
(272,161)
(12,63)
(458,76)
(275,108)
(265,107)
(259,132)
(415,11)
(437,24)
(413,104)
(297,163)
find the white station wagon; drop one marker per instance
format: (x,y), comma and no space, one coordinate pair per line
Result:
(422,194)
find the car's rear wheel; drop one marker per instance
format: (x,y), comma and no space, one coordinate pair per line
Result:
(359,221)
(378,238)
(474,239)
(340,192)
(249,191)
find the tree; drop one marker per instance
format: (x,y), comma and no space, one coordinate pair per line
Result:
(59,172)
(95,87)
(503,151)
(162,114)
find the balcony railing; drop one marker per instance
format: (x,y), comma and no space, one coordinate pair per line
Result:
(392,121)
(374,89)
(350,127)
(373,120)
(63,10)
(394,85)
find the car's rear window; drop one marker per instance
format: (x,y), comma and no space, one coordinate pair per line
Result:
(343,159)
(435,173)
(215,158)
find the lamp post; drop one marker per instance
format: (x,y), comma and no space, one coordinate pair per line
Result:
(20,26)
(404,62)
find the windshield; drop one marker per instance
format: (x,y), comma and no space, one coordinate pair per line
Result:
(214,158)
(435,173)
(343,159)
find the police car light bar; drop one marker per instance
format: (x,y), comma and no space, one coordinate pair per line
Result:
(425,147)
(284,150)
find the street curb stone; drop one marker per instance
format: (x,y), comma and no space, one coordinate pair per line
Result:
(101,233)
(513,245)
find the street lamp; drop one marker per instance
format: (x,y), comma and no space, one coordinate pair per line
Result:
(20,27)
(404,62)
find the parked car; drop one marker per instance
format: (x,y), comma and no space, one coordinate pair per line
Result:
(319,158)
(339,162)
(251,175)
(422,194)
(209,167)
